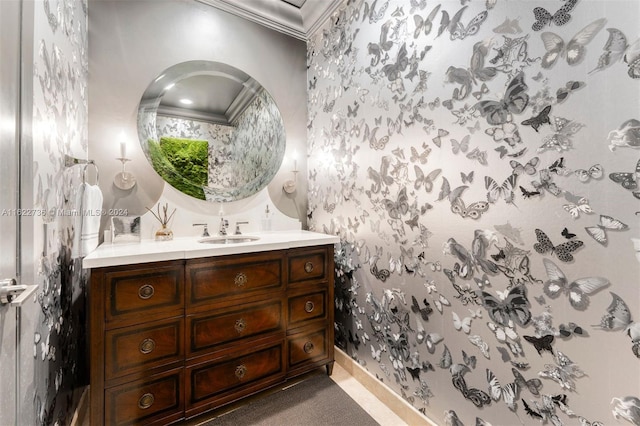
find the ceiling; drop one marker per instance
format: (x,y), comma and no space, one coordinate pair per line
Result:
(296,18)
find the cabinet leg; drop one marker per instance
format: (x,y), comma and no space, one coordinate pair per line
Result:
(329,368)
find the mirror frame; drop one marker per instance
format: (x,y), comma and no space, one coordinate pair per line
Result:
(272,141)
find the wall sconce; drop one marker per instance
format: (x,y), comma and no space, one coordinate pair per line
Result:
(290,185)
(124,179)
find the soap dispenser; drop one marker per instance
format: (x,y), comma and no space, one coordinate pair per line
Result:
(266,220)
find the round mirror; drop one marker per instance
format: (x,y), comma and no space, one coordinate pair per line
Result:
(211,131)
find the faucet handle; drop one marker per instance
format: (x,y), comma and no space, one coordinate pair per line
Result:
(224,223)
(238,227)
(205,231)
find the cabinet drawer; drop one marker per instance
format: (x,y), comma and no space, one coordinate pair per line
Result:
(207,331)
(134,349)
(145,401)
(216,377)
(308,265)
(143,292)
(308,347)
(307,307)
(211,280)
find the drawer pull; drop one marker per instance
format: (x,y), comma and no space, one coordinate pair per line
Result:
(308,267)
(147,346)
(309,307)
(146,292)
(240,280)
(146,401)
(240,326)
(308,347)
(241,370)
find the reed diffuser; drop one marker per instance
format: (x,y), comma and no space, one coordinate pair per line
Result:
(164,233)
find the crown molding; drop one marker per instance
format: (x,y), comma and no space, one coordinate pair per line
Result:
(300,23)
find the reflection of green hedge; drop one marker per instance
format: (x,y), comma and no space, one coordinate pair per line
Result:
(189,157)
(172,175)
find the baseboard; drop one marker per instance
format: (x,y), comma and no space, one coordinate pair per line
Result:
(391,399)
(81,415)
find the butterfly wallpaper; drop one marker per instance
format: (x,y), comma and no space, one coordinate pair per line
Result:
(53,359)
(479,161)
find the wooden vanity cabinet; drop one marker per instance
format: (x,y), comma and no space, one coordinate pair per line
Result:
(171,340)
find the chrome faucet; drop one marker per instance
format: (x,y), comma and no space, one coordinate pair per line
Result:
(224,223)
(205,231)
(238,227)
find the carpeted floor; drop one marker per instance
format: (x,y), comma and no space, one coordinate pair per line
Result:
(317,400)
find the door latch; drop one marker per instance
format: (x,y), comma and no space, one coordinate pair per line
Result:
(14,293)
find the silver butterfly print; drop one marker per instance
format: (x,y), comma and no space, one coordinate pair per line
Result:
(560,17)
(495,191)
(594,172)
(574,50)
(373,14)
(479,156)
(546,183)
(628,180)
(515,101)
(618,315)
(513,55)
(564,372)
(628,408)
(571,86)
(456,29)
(467,77)
(580,206)
(577,291)
(508,26)
(626,136)
(560,140)
(445,359)
(511,232)
(514,306)
(599,232)
(562,251)
(452,419)
(532,385)
(617,48)
(509,393)
(481,344)
(461,146)
(507,132)
(528,168)
(424,25)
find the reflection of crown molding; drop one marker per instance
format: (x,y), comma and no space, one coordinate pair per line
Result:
(249,91)
(188,114)
(300,23)
(316,12)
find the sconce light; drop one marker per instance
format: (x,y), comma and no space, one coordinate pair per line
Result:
(290,185)
(124,179)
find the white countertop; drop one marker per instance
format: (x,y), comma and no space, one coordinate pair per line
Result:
(109,254)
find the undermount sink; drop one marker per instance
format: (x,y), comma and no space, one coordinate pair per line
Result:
(228,239)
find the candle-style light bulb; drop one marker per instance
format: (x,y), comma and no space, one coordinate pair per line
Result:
(123,145)
(294,156)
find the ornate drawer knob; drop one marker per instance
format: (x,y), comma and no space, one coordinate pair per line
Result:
(147,346)
(241,370)
(240,326)
(146,401)
(240,280)
(146,291)
(308,267)
(308,347)
(309,307)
